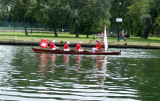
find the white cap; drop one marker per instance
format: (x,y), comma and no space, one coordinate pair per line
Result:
(68,42)
(97,40)
(80,41)
(53,41)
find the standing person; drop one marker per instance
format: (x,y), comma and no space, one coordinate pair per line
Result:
(99,35)
(98,47)
(102,35)
(66,46)
(53,46)
(78,47)
(122,35)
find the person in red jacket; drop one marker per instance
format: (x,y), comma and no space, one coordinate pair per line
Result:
(98,47)
(66,46)
(78,47)
(52,45)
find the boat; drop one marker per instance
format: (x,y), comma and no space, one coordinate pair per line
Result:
(42,50)
(44,45)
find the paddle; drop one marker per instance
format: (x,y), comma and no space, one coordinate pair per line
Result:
(86,51)
(72,50)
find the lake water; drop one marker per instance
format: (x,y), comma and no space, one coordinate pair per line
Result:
(27,76)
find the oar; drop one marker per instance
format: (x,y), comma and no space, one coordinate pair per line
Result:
(72,50)
(86,51)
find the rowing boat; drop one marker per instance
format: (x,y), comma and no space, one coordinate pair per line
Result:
(41,50)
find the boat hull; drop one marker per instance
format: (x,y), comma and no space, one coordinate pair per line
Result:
(39,50)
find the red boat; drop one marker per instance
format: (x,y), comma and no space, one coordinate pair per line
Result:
(40,50)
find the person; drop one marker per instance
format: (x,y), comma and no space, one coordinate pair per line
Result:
(111,34)
(66,46)
(98,47)
(52,45)
(78,47)
(122,35)
(99,35)
(102,35)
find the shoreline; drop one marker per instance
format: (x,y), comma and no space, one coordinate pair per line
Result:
(74,44)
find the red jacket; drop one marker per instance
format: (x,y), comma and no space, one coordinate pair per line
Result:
(78,47)
(66,46)
(98,46)
(52,45)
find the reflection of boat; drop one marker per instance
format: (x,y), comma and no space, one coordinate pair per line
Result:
(39,50)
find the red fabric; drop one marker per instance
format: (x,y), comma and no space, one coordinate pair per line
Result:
(44,43)
(98,46)
(52,45)
(78,47)
(120,32)
(66,46)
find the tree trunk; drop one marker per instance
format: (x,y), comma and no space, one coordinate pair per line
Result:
(25,29)
(55,31)
(77,35)
(88,31)
(149,26)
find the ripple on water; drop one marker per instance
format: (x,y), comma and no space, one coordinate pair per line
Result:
(20,82)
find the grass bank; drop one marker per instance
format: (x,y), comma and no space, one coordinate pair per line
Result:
(63,37)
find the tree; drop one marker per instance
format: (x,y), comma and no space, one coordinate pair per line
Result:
(132,18)
(96,11)
(51,12)
(86,13)
(119,8)
(152,9)
(19,10)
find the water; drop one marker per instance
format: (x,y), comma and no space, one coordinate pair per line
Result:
(132,76)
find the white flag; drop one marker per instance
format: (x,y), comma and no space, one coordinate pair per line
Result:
(105,39)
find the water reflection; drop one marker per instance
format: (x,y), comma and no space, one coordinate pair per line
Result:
(43,66)
(77,61)
(101,67)
(25,75)
(52,59)
(66,59)
(66,63)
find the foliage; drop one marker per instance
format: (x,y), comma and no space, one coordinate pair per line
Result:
(137,16)
(140,17)
(152,8)
(18,9)
(88,13)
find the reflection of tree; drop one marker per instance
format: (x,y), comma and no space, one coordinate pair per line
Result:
(138,76)
(24,64)
(141,76)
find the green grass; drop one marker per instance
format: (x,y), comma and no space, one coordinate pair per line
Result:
(64,37)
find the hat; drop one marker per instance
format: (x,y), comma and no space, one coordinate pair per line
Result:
(68,42)
(97,40)
(80,41)
(53,41)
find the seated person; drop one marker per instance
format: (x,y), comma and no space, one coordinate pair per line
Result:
(52,46)
(66,46)
(98,47)
(78,47)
